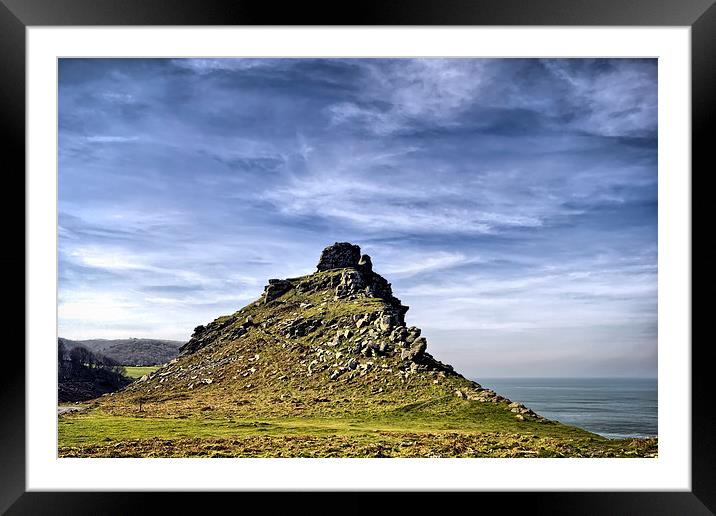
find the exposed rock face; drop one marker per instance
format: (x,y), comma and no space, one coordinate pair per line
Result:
(339,256)
(276,288)
(352,283)
(417,350)
(365,263)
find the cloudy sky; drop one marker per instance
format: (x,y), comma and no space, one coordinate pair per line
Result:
(512,203)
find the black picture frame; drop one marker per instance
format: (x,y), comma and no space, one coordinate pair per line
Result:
(17,15)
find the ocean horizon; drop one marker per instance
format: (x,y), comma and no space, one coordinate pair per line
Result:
(616,408)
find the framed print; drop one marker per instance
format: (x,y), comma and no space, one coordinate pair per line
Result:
(271,248)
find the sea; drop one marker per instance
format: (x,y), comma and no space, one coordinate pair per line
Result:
(612,407)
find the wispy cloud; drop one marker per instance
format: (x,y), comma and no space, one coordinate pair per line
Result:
(111,139)
(205,66)
(401,93)
(408,266)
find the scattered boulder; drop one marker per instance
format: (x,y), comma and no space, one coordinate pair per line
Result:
(399,334)
(413,333)
(384,323)
(302,327)
(337,373)
(417,349)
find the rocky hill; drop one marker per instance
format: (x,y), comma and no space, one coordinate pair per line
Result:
(134,352)
(322,365)
(335,341)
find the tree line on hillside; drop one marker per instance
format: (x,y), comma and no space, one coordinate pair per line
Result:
(84,375)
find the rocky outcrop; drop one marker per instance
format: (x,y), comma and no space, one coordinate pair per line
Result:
(276,288)
(339,256)
(352,284)
(365,264)
(221,330)
(356,279)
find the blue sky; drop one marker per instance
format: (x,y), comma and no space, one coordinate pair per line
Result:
(512,203)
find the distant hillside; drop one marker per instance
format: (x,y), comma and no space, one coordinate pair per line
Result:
(135,352)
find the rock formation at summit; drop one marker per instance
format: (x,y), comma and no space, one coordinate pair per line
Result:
(339,256)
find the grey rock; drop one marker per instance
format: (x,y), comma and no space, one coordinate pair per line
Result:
(418,347)
(384,323)
(276,288)
(337,373)
(351,284)
(302,327)
(365,263)
(340,255)
(399,334)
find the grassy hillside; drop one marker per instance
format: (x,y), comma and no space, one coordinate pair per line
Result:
(321,365)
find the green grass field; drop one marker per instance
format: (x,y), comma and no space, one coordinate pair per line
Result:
(139,371)
(96,433)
